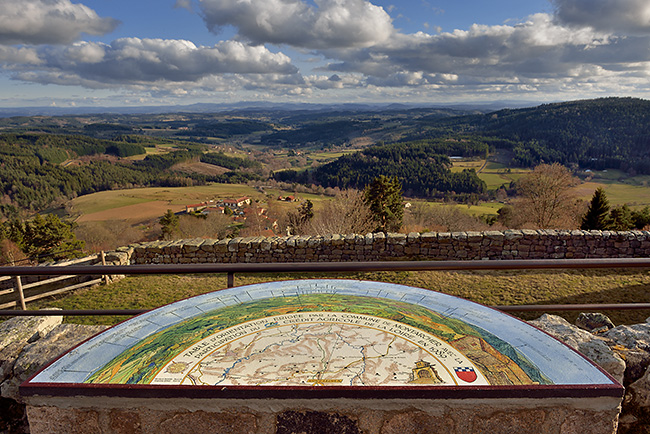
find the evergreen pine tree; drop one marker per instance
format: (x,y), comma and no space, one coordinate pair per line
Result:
(49,238)
(169,223)
(621,218)
(597,216)
(384,198)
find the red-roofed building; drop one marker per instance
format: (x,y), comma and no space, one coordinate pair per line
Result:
(200,206)
(195,207)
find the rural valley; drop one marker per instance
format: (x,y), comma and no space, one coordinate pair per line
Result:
(112,177)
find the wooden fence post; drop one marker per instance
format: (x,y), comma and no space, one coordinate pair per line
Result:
(105,276)
(21,295)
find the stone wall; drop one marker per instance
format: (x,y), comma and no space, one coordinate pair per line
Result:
(510,244)
(102,415)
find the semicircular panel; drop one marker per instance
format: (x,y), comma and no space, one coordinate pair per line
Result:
(323,336)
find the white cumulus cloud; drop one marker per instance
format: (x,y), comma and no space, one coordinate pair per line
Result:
(49,22)
(535,48)
(134,61)
(332,23)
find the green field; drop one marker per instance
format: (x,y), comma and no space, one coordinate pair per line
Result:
(493,174)
(481,209)
(107,200)
(618,193)
(620,187)
(328,156)
(494,180)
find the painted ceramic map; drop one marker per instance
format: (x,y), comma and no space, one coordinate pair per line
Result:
(323,333)
(320,348)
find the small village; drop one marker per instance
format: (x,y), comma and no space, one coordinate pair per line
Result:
(239,209)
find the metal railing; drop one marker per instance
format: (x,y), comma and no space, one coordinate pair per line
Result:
(332,267)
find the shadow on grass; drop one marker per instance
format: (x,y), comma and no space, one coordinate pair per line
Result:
(628,294)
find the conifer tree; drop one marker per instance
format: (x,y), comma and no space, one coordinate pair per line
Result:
(49,238)
(384,197)
(597,216)
(621,218)
(169,223)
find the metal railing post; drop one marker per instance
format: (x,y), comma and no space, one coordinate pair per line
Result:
(231,279)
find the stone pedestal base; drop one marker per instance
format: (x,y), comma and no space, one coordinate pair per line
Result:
(102,415)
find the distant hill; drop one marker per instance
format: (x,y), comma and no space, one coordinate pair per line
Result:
(422,167)
(242,107)
(39,169)
(599,134)
(608,133)
(413,143)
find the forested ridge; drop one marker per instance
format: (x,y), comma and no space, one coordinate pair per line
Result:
(221,130)
(32,177)
(322,133)
(232,163)
(603,133)
(423,167)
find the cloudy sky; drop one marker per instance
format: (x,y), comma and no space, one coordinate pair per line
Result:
(152,52)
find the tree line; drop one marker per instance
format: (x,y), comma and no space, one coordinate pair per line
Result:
(32,178)
(41,239)
(599,134)
(422,167)
(600,216)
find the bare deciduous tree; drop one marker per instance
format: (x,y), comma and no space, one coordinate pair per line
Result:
(546,198)
(442,218)
(347,213)
(107,235)
(257,223)
(215,225)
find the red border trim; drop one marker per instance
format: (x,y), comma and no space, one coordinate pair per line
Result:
(321,392)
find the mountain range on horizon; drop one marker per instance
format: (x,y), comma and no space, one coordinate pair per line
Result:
(7,112)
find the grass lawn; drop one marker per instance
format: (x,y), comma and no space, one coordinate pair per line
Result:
(618,193)
(494,180)
(490,288)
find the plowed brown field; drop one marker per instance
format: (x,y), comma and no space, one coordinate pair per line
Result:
(139,211)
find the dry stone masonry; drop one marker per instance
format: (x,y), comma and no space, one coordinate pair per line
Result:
(510,244)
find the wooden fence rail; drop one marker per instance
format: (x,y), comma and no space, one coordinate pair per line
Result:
(53,284)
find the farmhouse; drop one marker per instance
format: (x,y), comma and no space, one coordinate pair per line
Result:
(213,210)
(237,203)
(195,207)
(200,206)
